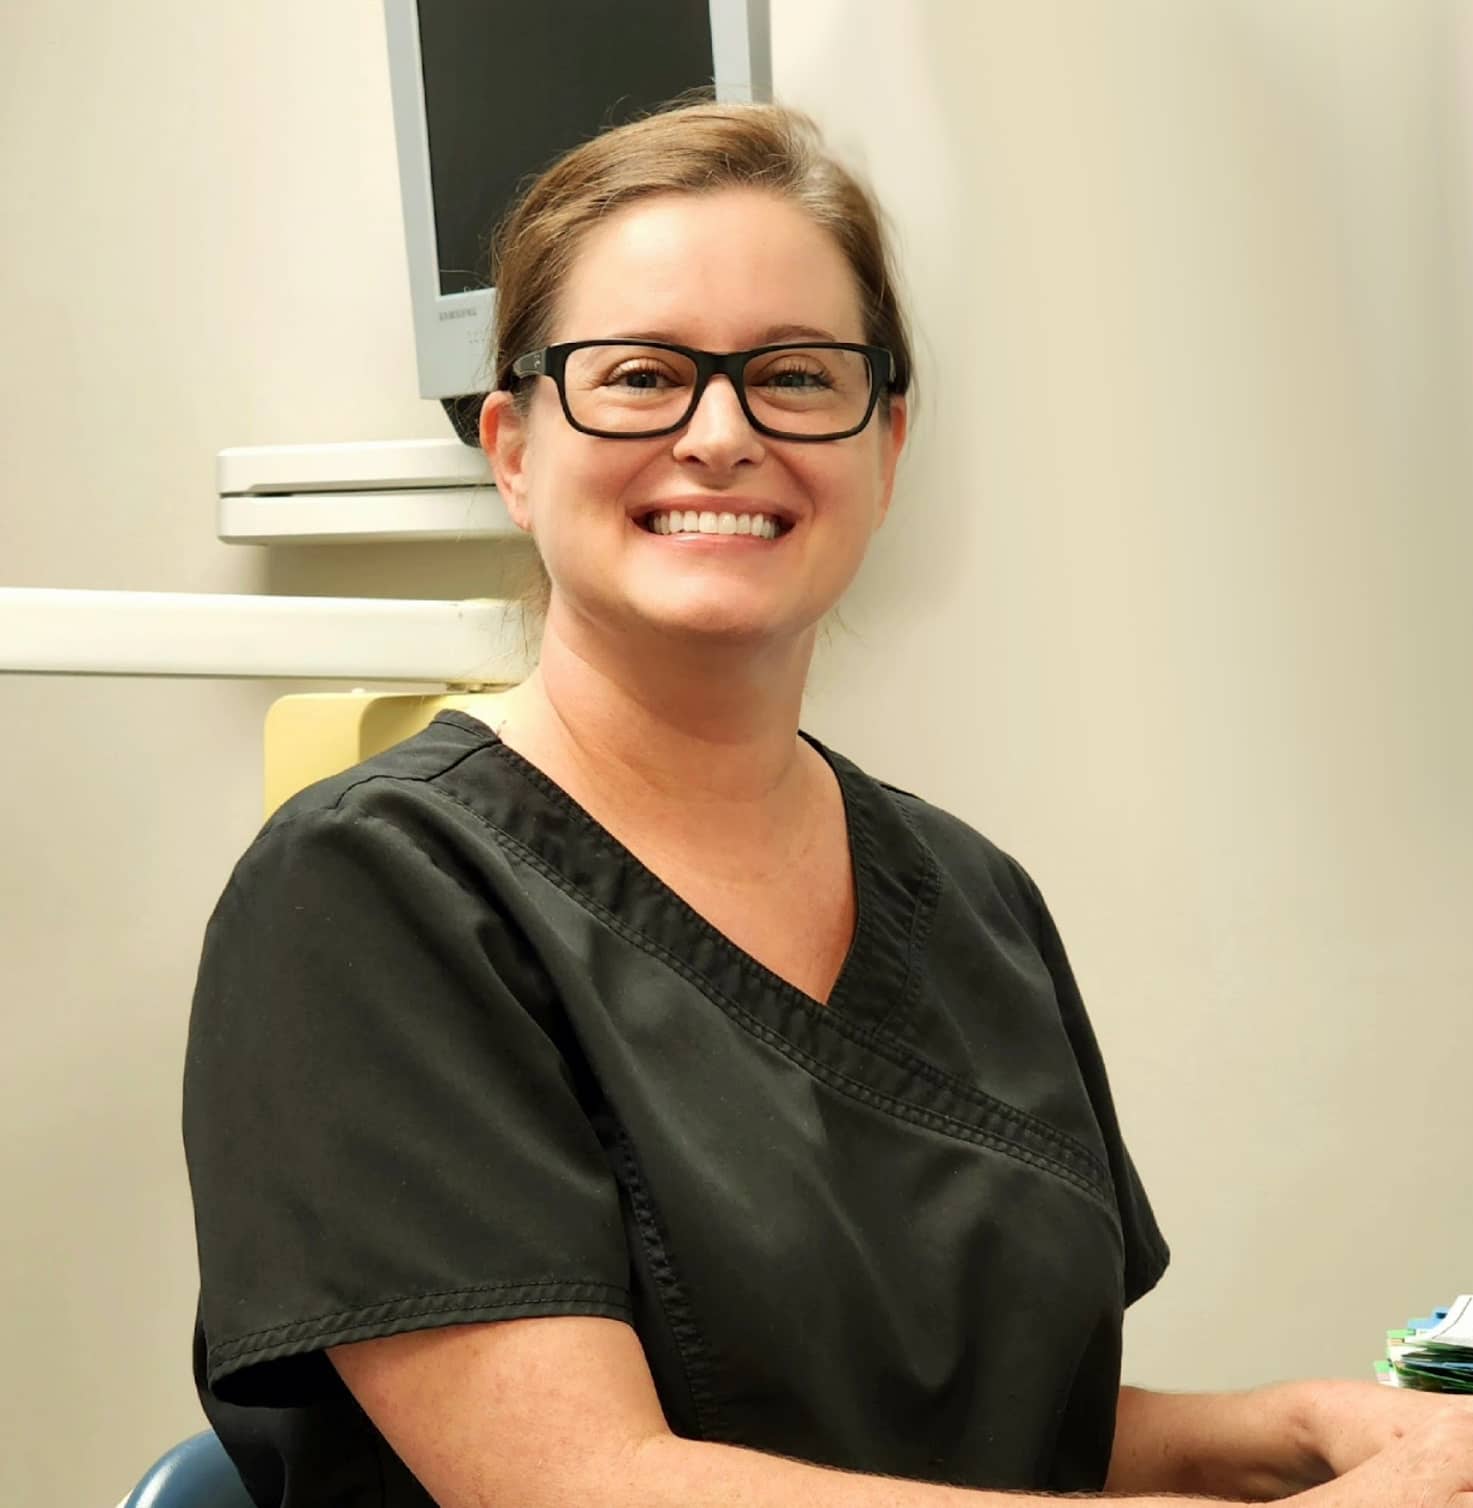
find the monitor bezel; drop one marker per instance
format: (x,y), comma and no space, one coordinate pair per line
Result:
(452,331)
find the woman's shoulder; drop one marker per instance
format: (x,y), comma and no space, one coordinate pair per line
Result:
(424,763)
(430,799)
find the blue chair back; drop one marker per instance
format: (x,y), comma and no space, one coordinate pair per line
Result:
(195,1474)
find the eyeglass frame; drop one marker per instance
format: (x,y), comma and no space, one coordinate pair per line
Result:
(551,361)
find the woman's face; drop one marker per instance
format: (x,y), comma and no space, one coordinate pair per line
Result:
(724,271)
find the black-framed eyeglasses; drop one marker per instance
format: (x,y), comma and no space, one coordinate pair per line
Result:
(637,389)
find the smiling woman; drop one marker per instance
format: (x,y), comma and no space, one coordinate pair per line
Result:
(757,175)
(622,1098)
(631,427)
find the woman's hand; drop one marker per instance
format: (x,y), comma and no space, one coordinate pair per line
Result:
(1349,1423)
(1427,1465)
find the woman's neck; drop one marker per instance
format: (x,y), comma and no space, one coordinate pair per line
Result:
(679,739)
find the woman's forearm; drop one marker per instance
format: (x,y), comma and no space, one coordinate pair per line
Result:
(1253,1446)
(670,1472)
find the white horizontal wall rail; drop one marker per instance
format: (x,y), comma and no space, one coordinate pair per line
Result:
(44,632)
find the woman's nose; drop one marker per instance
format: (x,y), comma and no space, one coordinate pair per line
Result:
(718,432)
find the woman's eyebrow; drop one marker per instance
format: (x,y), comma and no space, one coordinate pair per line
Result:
(787,332)
(768,336)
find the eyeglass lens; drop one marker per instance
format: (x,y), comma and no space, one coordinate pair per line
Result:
(799,390)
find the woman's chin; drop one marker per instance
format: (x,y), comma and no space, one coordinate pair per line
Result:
(715,619)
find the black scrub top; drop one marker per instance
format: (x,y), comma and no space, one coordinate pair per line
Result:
(456,1055)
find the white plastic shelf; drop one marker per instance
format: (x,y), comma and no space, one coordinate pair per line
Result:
(358,493)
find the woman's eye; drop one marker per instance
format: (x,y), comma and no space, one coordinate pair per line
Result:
(639,378)
(796,378)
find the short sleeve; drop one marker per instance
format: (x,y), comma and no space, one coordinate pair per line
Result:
(381,1131)
(1146,1251)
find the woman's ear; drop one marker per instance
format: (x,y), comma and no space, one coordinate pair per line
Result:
(504,439)
(892,442)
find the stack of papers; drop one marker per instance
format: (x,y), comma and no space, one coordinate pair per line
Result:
(1434,1354)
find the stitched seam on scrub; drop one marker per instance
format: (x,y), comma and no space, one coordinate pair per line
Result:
(695,1361)
(606,844)
(498,1295)
(1099,1189)
(277,822)
(882,1044)
(864,841)
(920,928)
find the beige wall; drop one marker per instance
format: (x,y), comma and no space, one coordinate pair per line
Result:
(1172,605)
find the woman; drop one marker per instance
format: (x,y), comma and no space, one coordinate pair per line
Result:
(634,1102)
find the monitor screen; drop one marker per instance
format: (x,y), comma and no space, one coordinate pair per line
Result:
(510,87)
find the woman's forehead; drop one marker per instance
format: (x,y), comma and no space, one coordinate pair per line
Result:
(731,267)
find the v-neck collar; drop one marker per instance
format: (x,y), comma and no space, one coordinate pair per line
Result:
(895,885)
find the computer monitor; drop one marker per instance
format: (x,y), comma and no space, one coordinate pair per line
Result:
(487,92)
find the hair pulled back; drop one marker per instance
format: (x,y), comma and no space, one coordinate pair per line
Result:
(691,148)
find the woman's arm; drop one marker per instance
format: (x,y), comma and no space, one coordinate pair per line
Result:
(1267,1443)
(1254,1446)
(562,1411)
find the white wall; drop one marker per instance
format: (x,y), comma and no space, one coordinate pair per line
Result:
(1172,604)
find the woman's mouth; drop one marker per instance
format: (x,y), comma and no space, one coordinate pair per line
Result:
(688,522)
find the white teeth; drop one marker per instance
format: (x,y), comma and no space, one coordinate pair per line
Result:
(687,521)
